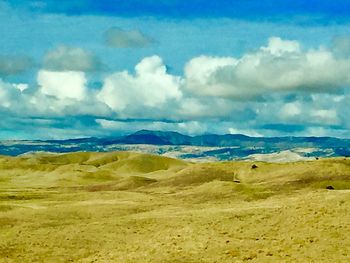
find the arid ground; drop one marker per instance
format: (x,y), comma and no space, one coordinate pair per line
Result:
(131,207)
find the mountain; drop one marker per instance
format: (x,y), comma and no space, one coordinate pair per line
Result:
(201,147)
(227,140)
(155,138)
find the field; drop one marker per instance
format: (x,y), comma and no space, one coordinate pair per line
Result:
(132,207)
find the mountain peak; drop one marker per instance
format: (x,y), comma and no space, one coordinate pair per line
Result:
(157,133)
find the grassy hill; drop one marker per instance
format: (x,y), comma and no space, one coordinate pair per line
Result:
(133,207)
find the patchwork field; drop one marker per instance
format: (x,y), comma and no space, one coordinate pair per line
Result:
(132,207)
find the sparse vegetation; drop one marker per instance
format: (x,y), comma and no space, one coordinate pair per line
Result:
(131,207)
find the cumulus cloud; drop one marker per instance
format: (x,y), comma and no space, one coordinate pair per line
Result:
(65,58)
(62,94)
(62,85)
(257,94)
(21,86)
(12,65)
(325,116)
(308,113)
(290,110)
(278,46)
(119,38)
(280,66)
(151,86)
(8,94)
(199,71)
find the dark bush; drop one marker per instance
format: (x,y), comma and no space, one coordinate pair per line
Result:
(254,166)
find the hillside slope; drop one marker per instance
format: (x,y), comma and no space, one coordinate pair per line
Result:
(132,207)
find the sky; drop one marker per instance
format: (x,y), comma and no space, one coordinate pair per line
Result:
(71,69)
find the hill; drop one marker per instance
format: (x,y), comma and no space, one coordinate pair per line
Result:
(86,168)
(134,207)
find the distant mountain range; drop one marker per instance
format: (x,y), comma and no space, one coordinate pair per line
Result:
(210,146)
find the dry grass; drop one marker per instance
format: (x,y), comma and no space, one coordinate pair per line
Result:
(128,207)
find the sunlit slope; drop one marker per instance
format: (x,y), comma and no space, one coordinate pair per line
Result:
(124,170)
(297,174)
(287,174)
(132,207)
(82,168)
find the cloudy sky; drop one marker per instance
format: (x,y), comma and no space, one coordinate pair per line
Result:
(83,68)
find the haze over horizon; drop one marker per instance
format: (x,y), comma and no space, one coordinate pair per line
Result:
(71,69)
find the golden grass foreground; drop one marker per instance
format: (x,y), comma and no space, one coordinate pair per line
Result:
(132,207)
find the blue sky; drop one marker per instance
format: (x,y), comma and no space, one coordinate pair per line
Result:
(243,9)
(101,68)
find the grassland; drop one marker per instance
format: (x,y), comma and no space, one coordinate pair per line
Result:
(130,207)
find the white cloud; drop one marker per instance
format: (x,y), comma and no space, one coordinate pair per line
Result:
(5,94)
(302,111)
(65,58)
(325,116)
(62,85)
(151,86)
(201,101)
(280,66)
(278,47)
(193,107)
(11,96)
(290,110)
(21,86)
(198,72)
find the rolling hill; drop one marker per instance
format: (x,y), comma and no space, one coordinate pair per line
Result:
(135,207)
